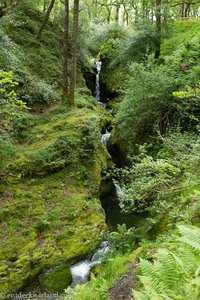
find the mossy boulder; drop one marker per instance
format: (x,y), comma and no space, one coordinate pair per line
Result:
(57,279)
(51,212)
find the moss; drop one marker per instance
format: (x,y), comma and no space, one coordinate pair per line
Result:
(57,279)
(160,226)
(58,215)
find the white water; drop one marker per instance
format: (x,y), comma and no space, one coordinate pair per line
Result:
(105,138)
(118,189)
(81,270)
(97,90)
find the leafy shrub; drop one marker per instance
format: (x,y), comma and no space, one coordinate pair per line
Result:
(148,103)
(122,240)
(7,151)
(44,221)
(149,181)
(9,53)
(10,105)
(22,126)
(39,91)
(145,180)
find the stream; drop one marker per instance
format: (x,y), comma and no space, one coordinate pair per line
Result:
(81,270)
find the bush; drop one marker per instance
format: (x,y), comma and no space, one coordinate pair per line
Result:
(50,158)
(39,91)
(122,240)
(9,53)
(145,181)
(148,103)
(7,151)
(10,106)
(153,183)
(22,125)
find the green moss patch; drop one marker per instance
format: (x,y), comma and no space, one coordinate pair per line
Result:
(57,279)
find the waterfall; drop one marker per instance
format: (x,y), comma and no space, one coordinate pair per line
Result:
(105,138)
(97,90)
(118,190)
(81,270)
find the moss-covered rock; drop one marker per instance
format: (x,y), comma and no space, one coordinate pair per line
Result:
(51,216)
(57,279)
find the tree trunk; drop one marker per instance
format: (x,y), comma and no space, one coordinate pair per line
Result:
(125,16)
(73,72)
(117,13)
(182,9)
(158,28)
(187,10)
(109,13)
(39,33)
(66,52)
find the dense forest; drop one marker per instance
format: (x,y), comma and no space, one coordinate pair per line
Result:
(100,149)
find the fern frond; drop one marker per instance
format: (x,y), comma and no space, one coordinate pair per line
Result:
(188,257)
(146,267)
(141,296)
(169,269)
(152,284)
(146,296)
(190,236)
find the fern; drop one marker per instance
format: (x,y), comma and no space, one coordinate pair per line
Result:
(190,236)
(174,275)
(169,268)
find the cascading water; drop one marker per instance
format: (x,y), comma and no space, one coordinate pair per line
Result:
(105,138)
(97,89)
(81,270)
(118,190)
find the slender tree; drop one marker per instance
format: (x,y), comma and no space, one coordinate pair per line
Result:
(73,69)
(158,28)
(39,33)
(66,51)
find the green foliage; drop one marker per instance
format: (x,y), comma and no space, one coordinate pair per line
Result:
(122,240)
(144,182)
(190,104)
(7,151)
(22,126)
(150,181)
(10,106)
(174,273)
(9,53)
(43,222)
(50,158)
(148,102)
(36,64)
(39,91)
